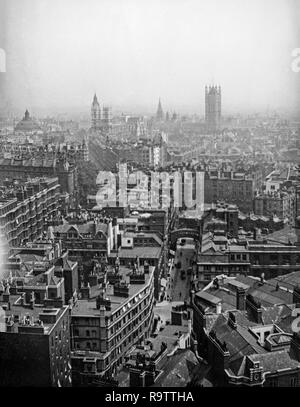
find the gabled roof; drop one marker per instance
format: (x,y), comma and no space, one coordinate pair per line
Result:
(54,281)
(83,228)
(69,265)
(239,341)
(64,228)
(273,361)
(181,369)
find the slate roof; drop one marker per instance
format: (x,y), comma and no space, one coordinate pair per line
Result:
(82,228)
(267,292)
(273,361)
(143,252)
(239,341)
(181,369)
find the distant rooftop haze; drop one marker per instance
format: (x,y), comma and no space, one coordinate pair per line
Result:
(60,52)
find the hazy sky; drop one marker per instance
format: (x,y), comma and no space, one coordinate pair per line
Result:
(59,52)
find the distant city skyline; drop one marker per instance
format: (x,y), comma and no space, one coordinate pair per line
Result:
(83,112)
(132,52)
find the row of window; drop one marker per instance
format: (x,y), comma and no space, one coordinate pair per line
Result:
(234,257)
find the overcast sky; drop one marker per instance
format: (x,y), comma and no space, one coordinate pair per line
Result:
(59,52)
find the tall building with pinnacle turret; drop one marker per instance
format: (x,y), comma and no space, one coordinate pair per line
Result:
(213,108)
(96,114)
(159,113)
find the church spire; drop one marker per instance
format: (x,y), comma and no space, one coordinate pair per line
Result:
(95,100)
(159,113)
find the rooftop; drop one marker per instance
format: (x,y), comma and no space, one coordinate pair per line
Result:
(27,320)
(143,252)
(182,369)
(88,306)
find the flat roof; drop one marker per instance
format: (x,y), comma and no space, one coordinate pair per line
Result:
(141,252)
(237,248)
(203,295)
(237,284)
(88,306)
(19,311)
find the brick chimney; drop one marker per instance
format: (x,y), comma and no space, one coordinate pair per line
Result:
(93,280)
(254,307)
(86,292)
(32,300)
(6,294)
(295,345)
(102,310)
(232,320)
(137,377)
(297,230)
(23,299)
(240,298)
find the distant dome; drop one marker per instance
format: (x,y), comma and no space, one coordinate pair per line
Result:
(27,124)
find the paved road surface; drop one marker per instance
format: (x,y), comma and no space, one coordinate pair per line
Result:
(178,289)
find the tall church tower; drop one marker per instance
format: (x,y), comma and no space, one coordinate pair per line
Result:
(213,108)
(96,114)
(159,113)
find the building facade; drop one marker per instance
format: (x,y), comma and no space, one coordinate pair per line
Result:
(34,343)
(22,217)
(115,312)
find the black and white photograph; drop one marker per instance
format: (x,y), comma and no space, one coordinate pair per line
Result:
(150,196)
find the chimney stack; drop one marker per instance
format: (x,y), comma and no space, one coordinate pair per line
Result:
(32,300)
(254,234)
(297,230)
(254,307)
(86,292)
(240,298)
(102,310)
(6,294)
(232,320)
(295,345)
(23,299)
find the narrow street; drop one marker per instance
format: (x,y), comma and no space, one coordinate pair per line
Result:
(178,287)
